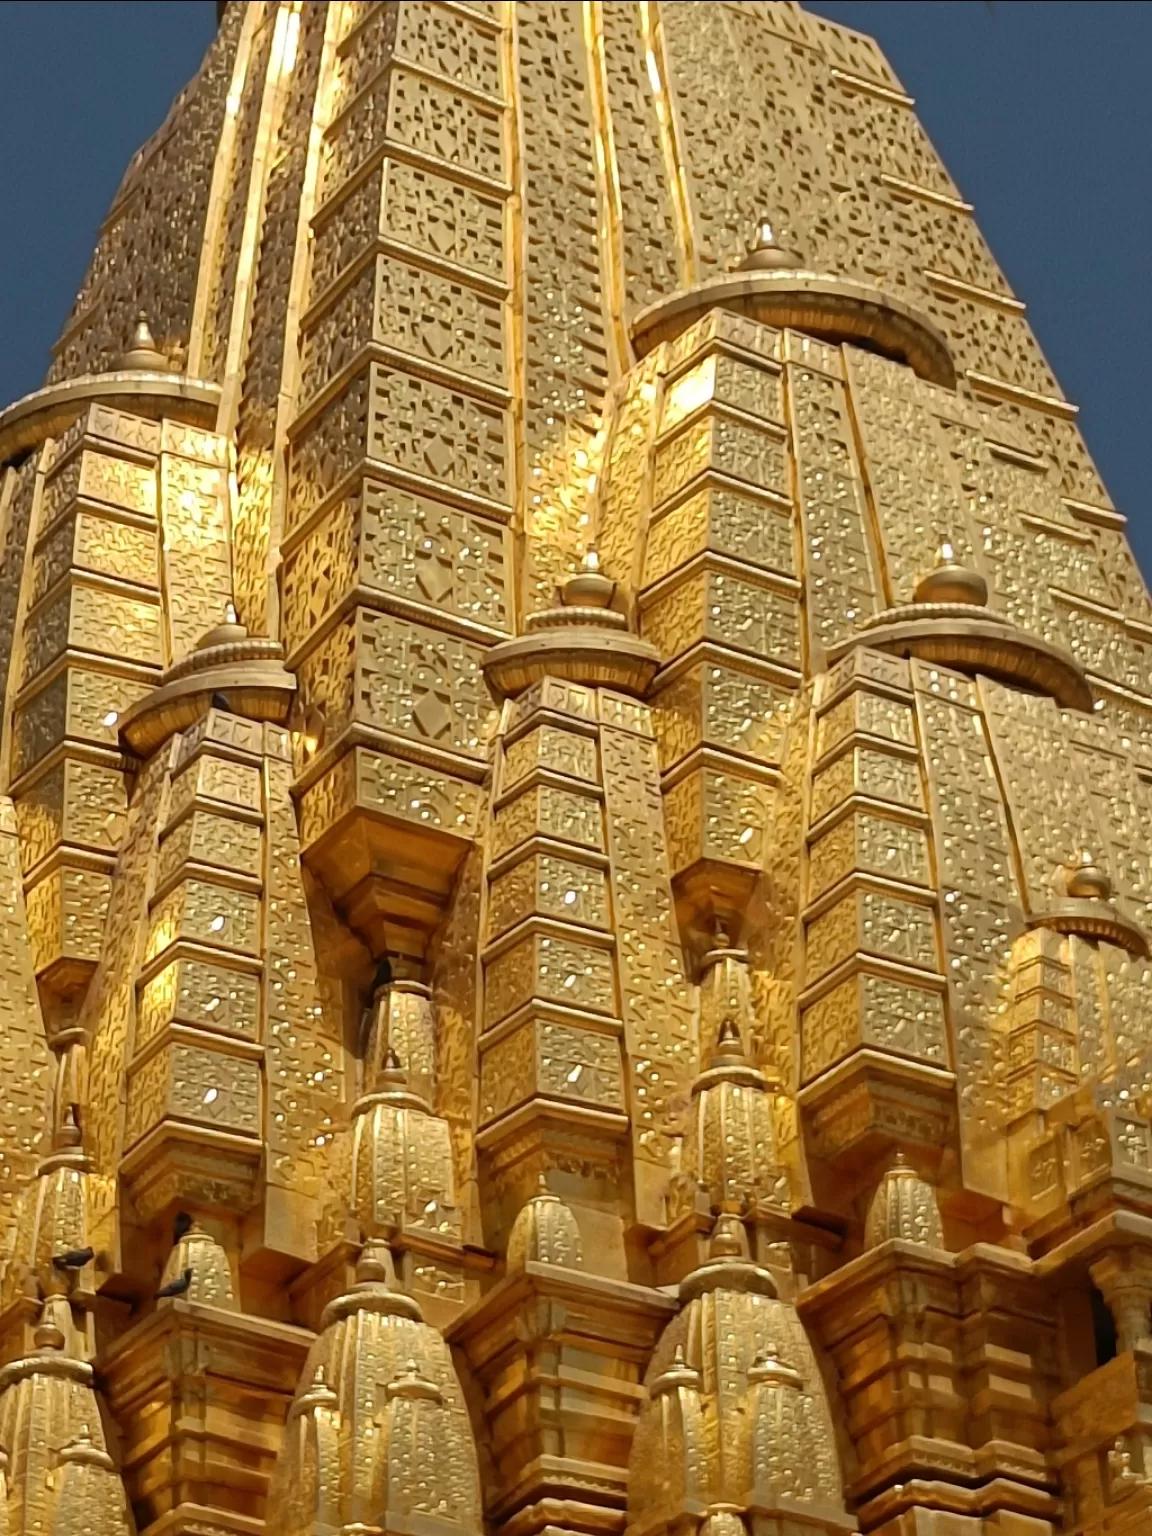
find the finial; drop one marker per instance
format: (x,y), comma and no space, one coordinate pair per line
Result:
(143,355)
(1086,881)
(68,1134)
(728,1240)
(765,253)
(317,1394)
(771,1369)
(227,632)
(375,1263)
(409,1383)
(46,1335)
(728,1041)
(950,581)
(588,587)
(84,1450)
(391,1075)
(678,1374)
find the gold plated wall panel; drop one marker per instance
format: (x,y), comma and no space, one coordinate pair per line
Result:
(403,678)
(843,588)
(980,901)
(562,296)
(25,1061)
(152,226)
(409,242)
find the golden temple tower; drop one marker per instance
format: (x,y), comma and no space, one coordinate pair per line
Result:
(576,829)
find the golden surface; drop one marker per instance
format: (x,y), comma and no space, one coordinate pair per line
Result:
(679,626)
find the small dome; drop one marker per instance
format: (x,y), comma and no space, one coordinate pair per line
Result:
(228,632)
(545,1232)
(70,1482)
(211,1282)
(588,587)
(951,582)
(1086,881)
(379,1422)
(904,1206)
(143,355)
(766,255)
(724,1522)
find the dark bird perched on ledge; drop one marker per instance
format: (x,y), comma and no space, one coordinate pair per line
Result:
(383,977)
(75,1258)
(176,1287)
(181,1226)
(220,702)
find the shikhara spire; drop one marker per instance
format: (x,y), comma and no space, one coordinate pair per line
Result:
(574,817)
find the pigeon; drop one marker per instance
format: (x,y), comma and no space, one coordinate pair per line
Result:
(220,702)
(383,977)
(75,1258)
(176,1287)
(181,1226)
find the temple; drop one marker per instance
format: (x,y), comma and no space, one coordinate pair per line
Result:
(575,817)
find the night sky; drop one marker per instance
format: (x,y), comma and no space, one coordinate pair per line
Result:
(1040,108)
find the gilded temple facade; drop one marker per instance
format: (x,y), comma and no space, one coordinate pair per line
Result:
(575,817)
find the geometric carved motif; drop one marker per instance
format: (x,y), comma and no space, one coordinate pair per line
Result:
(723,520)
(718,705)
(980,902)
(870,921)
(868,842)
(551,968)
(202,994)
(189,1082)
(548,811)
(724,443)
(713,815)
(548,885)
(546,1057)
(865,771)
(403,545)
(719,606)
(842,589)
(870,1010)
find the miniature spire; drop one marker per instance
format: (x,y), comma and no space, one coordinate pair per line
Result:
(1086,881)
(766,254)
(950,581)
(142,354)
(904,1206)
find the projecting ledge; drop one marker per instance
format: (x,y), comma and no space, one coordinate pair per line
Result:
(46,413)
(836,309)
(976,641)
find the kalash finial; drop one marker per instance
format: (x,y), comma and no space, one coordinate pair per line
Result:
(144,356)
(764,254)
(1086,881)
(228,632)
(68,1134)
(951,582)
(729,1045)
(588,587)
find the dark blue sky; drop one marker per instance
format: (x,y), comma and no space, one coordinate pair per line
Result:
(1041,109)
